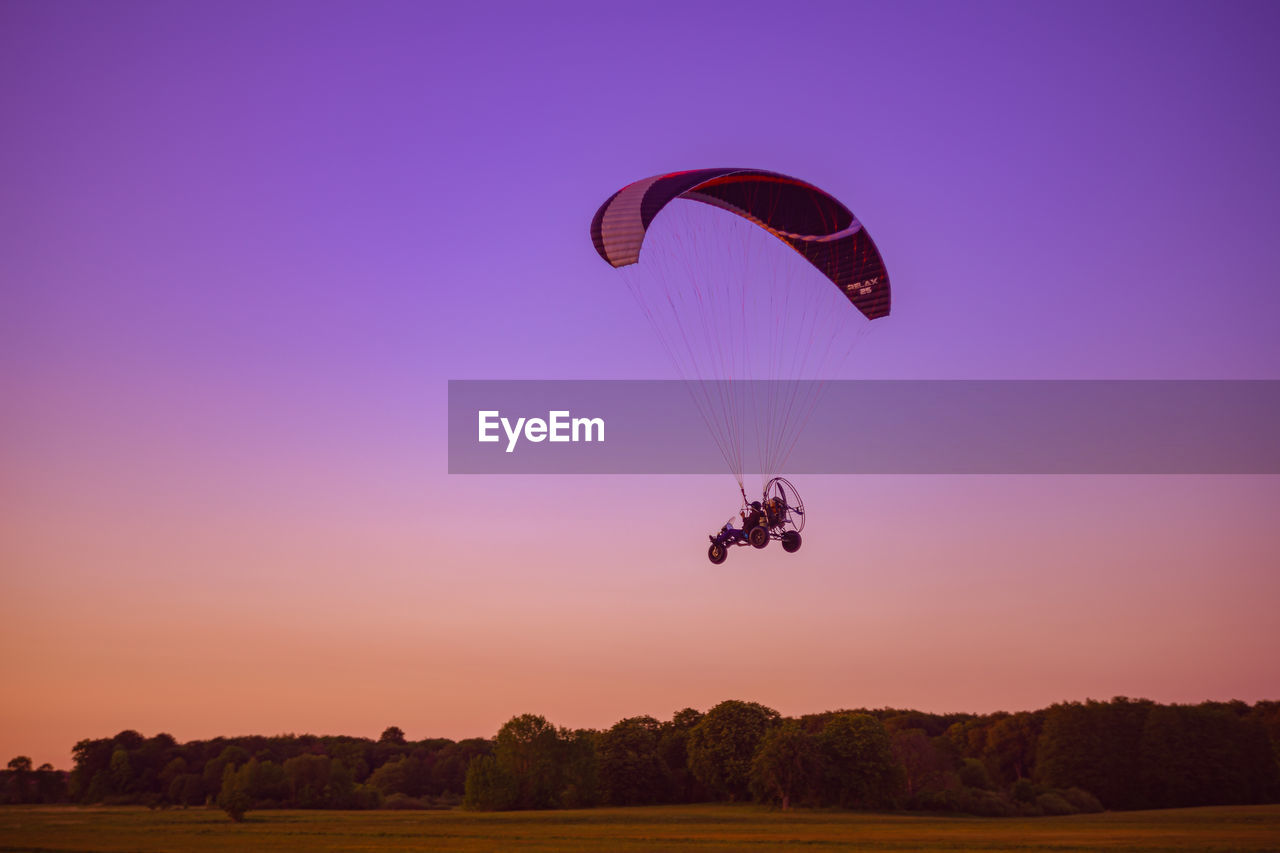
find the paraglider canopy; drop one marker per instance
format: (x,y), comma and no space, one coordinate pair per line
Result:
(811,221)
(710,257)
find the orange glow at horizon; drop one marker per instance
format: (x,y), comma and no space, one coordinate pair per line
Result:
(926,592)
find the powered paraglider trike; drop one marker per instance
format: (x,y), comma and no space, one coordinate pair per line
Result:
(779,515)
(710,256)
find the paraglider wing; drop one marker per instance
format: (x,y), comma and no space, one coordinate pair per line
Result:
(811,221)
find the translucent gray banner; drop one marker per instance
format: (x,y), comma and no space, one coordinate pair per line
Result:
(866,427)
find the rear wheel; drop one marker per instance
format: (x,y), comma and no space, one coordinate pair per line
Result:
(791,541)
(717,553)
(758,537)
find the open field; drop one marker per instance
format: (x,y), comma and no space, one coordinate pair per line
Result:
(702,828)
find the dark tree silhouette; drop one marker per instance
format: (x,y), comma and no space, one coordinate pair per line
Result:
(723,744)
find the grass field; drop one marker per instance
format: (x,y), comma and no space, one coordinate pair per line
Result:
(702,828)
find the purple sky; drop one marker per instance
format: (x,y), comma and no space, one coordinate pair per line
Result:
(243,247)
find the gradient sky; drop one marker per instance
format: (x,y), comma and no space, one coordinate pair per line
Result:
(243,246)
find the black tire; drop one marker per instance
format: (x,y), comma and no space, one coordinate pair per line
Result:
(717,553)
(791,541)
(758,537)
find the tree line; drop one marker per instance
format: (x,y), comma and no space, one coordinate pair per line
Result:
(1070,757)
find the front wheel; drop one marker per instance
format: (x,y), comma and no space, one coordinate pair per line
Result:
(758,537)
(791,541)
(717,553)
